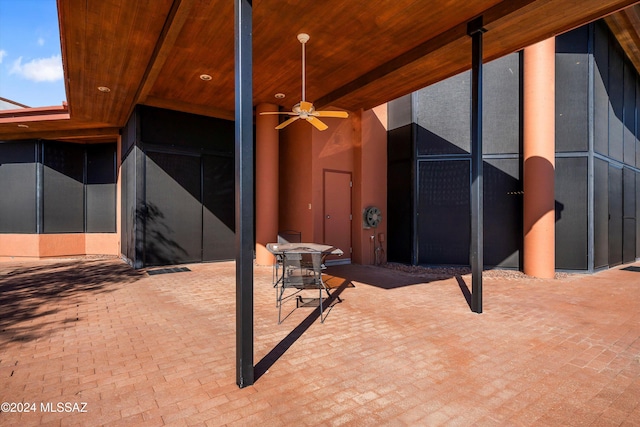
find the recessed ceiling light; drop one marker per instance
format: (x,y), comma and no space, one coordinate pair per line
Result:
(279,95)
(205,77)
(104,89)
(23,126)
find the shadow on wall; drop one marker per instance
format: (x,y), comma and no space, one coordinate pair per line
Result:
(187,208)
(160,248)
(444,205)
(442,229)
(544,173)
(30,296)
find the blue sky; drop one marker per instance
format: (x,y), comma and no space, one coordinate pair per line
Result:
(30,59)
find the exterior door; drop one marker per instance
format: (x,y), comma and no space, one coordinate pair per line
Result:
(337,213)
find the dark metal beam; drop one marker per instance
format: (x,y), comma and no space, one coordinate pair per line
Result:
(244,192)
(475,30)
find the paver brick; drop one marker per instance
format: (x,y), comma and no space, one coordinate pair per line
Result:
(160,350)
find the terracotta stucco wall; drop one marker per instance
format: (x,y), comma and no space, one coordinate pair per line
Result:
(357,146)
(19,245)
(58,245)
(332,150)
(295,204)
(370,183)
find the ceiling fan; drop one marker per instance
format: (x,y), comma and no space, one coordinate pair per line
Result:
(305,109)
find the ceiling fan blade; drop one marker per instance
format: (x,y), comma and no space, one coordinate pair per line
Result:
(317,123)
(306,106)
(287,122)
(339,114)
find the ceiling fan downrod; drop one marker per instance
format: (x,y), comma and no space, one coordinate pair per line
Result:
(303,38)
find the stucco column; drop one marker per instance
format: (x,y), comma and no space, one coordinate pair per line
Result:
(266,182)
(539,159)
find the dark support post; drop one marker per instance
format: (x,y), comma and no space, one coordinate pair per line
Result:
(475,30)
(244,192)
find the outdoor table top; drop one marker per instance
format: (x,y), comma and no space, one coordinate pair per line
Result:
(280,248)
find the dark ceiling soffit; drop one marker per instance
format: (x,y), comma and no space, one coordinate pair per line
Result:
(491,16)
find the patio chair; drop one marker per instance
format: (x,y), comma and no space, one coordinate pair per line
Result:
(285,236)
(302,271)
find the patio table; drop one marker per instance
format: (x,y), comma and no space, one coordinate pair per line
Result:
(298,266)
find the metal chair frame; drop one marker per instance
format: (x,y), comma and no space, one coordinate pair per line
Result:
(301,271)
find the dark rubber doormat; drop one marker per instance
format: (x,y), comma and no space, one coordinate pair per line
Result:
(167,270)
(632,268)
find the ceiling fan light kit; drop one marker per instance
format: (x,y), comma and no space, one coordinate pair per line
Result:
(305,109)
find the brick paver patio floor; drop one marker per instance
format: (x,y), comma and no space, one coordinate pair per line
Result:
(122,347)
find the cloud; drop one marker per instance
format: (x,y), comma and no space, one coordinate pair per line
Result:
(39,70)
(3,53)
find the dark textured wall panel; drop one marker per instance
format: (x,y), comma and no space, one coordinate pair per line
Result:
(502,213)
(18,187)
(501,105)
(130,133)
(101,164)
(128,205)
(400,194)
(637,216)
(400,144)
(128,191)
(173,216)
(629,240)
(616,102)
(63,188)
(133,212)
(574,41)
(444,209)
(101,188)
(441,112)
(571,213)
(178,188)
(629,195)
(101,208)
(160,126)
(444,110)
(601,81)
(219,208)
(637,121)
(629,131)
(572,84)
(601,213)
(400,212)
(615,215)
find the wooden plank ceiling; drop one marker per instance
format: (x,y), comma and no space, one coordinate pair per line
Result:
(361,53)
